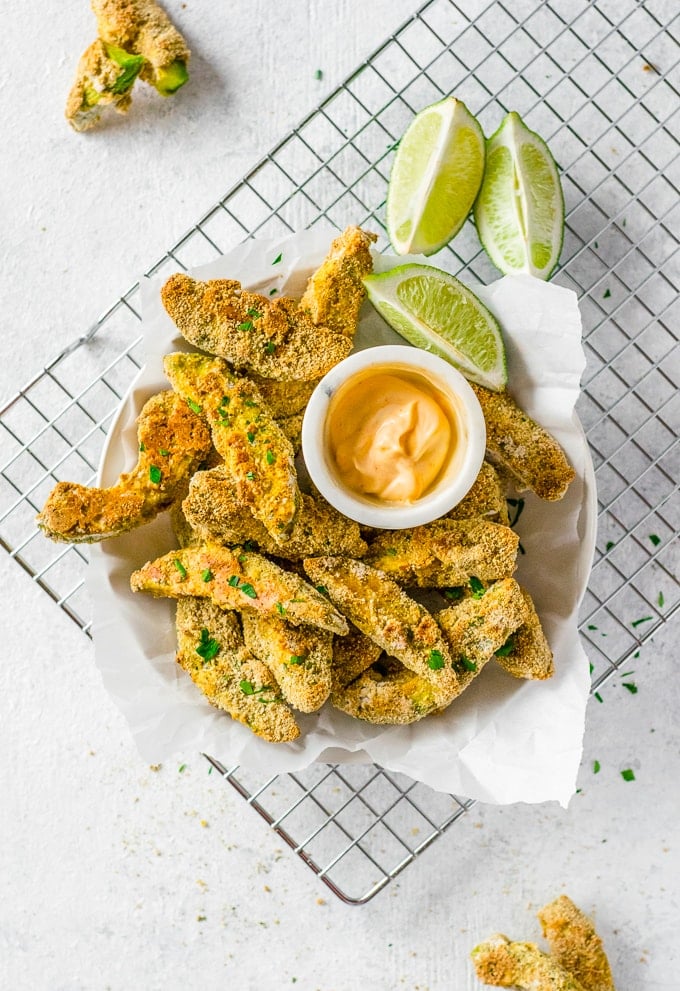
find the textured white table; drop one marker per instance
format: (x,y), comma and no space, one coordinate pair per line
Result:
(115,875)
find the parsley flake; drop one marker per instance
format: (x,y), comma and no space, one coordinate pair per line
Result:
(196,407)
(248,590)
(628,774)
(606,294)
(507,647)
(435,661)
(323,590)
(660,601)
(596,767)
(182,768)
(270,457)
(610,544)
(250,475)
(255,314)
(643,619)
(163,452)
(207,575)
(477,587)
(246,325)
(297,659)
(655,539)
(247,687)
(277,259)
(270,347)
(318,74)
(208,648)
(180,567)
(280,608)
(272,291)
(467,663)
(155,474)
(631,686)
(251,436)
(142,446)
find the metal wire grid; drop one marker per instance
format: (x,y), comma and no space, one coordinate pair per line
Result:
(600,82)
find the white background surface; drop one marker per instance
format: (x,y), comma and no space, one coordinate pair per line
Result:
(108,877)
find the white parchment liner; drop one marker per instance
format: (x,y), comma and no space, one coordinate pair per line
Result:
(503,740)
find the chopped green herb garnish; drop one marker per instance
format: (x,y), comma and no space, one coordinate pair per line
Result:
(297,659)
(606,294)
(597,696)
(643,619)
(142,446)
(660,601)
(248,590)
(467,663)
(591,626)
(255,314)
(628,774)
(277,259)
(655,539)
(207,575)
(207,648)
(435,661)
(155,474)
(246,325)
(180,567)
(281,609)
(507,647)
(323,590)
(270,347)
(246,687)
(196,407)
(610,544)
(591,667)
(163,452)
(233,581)
(394,145)
(271,457)
(250,475)
(477,587)
(631,686)
(272,291)
(318,74)
(596,766)
(182,768)
(251,436)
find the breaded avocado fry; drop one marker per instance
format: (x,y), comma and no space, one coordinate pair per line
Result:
(335,292)
(257,456)
(445,552)
(381,610)
(104,78)
(476,628)
(527,653)
(214,510)
(388,694)
(237,579)
(299,658)
(211,650)
(272,337)
(505,964)
(486,498)
(172,442)
(142,27)
(522,447)
(575,944)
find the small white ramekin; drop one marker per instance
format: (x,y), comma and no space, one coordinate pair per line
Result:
(454,482)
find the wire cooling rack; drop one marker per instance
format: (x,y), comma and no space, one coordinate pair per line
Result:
(600,82)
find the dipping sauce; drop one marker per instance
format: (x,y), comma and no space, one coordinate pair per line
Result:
(390,432)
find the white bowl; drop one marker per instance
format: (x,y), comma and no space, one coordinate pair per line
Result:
(454,480)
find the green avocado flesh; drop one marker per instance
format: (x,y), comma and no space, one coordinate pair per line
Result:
(130,64)
(170,79)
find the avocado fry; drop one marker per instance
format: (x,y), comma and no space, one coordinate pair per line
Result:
(476,628)
(104,78)
(335,292)
(214,510)
(505,964)
(257,456)
(385,613)
(237,579)
(211,650)
(445,552)
(522,447)
(272,337)
(527,653)
(575,944)
(387,694)
(299,658)
(142,27)
(283,398)
(172,442)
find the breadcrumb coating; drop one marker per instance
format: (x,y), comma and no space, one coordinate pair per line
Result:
(237,579)
(335,292)
(486,498)
(530,655)
(299,657)
(272,337)
(445,552)
(172,442)
(505,964)
(100,82)
(142,27)
(211,650)
(575,944)
(522,447)
(352,655)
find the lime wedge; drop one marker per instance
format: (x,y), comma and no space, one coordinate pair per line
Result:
(519,212)
(435,178)
(435,311)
